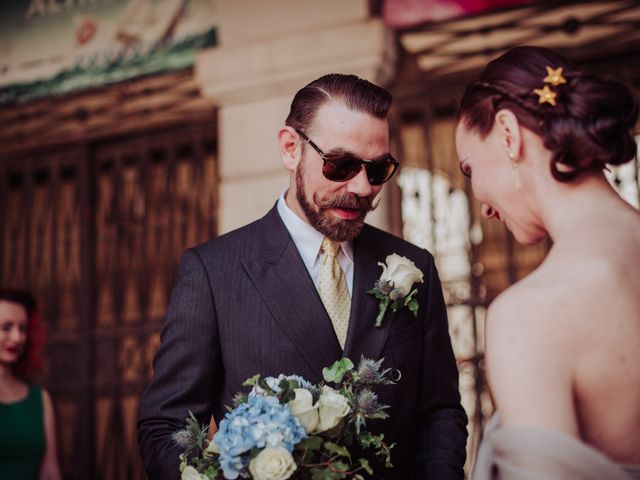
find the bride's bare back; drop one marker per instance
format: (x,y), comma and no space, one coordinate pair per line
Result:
(563,345)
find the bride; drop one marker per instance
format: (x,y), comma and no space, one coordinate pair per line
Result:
(534,135)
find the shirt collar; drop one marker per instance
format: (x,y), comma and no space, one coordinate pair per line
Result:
(307,239)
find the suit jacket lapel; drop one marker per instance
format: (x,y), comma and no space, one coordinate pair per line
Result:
(363,338)
(282,280)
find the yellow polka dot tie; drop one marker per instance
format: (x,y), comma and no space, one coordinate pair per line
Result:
(332,288)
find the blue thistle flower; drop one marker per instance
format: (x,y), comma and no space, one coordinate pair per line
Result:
(383,287)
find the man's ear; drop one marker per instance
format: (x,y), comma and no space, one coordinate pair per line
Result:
(509,129)
(290,147)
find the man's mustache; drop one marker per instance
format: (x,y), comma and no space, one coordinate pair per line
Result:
(347,201)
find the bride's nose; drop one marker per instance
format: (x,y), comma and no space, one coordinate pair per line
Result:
(488,211)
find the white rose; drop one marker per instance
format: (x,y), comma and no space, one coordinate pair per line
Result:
(303,408)
(401,273)
(272,464)
(190,473)
(333,407)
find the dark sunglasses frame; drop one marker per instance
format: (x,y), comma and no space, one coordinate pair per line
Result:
(369,165)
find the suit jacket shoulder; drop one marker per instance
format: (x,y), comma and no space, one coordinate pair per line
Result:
(265,239)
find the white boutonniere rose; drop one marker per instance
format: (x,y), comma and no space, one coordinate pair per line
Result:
(272,464)
(395,289)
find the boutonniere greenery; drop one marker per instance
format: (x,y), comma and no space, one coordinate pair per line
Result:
(394,288)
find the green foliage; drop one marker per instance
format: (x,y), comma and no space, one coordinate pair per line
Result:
(336,372)
(239,399)
(364,463)
(412,303)
(211,472)
(341,467)
(250,382)
(378,294)
(368,440)
(337,449)
(262,383)
(287,391)
(323,474)
(310,443)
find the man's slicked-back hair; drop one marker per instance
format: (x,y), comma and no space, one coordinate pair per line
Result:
(356,93)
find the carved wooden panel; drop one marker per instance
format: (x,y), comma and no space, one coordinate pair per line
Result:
(96,233)
(154,196)
(40,207)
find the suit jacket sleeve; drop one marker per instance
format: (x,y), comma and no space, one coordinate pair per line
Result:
(443,433)
(185,369)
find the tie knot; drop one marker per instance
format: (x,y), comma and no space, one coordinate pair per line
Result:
(330,247)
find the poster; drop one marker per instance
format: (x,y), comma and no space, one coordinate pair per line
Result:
(50,47)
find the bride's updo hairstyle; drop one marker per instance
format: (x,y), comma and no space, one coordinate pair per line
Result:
(589,126)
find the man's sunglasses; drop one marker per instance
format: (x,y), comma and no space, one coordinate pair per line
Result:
(343,166)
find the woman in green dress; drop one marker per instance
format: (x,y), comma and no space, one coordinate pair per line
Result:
(27,436)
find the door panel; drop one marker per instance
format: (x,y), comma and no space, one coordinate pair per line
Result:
(96,233)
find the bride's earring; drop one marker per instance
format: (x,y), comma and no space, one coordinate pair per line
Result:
(516,173)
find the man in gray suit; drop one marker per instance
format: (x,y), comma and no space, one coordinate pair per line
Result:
(250,301)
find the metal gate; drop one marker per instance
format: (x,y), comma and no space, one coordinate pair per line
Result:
(95,232)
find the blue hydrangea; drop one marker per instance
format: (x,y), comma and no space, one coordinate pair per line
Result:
(260,422)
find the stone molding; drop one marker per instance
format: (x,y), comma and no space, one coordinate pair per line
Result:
(282,65)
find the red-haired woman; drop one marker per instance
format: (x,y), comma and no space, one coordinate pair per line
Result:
(27,433)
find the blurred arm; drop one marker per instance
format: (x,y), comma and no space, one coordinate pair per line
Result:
(49,469)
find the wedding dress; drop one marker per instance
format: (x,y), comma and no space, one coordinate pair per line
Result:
(527,453)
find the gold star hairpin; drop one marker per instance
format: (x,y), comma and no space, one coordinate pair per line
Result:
(546,95)
(554,77)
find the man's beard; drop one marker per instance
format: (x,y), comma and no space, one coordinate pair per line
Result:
(332,227)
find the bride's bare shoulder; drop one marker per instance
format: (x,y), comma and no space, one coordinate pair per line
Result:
(571,289)
(526,355)
(574,308)
(542,294)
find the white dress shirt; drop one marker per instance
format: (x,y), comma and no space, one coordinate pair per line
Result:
(308,241)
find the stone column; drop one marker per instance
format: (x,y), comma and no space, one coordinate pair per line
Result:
(267,50)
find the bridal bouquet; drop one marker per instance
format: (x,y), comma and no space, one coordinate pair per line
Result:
(288,428)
